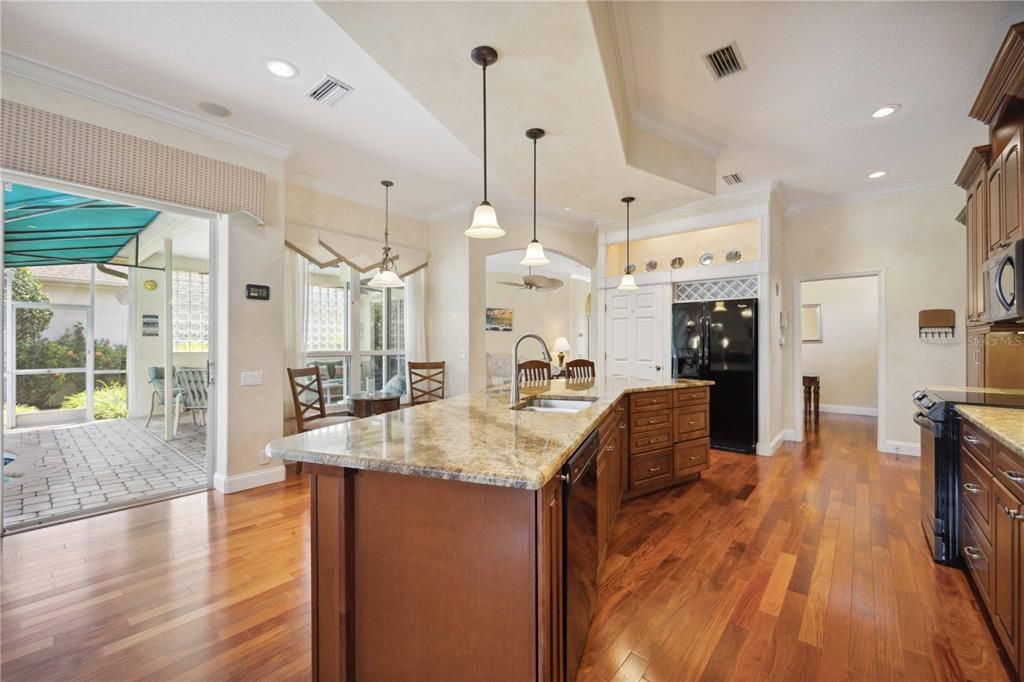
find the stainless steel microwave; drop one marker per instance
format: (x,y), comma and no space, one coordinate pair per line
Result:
(1004,283)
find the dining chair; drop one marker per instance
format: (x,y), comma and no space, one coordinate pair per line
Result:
(426,382)
(533,370)
(308,398)
(580,369)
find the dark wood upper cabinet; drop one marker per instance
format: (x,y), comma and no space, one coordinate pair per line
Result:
(995,209)
(1009,227)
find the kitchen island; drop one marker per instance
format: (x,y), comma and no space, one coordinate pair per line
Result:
(437,530)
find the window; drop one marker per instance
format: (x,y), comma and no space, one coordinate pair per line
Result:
(357,341)
(191,304)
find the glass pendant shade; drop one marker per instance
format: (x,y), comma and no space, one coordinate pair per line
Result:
(485,223)
(627,282)
(386,279)
(534,255)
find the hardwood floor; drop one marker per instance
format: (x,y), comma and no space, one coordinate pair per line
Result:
(807,565)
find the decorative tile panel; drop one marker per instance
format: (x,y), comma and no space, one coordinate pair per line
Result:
(49,145)
(715,289)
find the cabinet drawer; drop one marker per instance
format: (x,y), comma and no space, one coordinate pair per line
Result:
(976,551)
(650,440)
(650,469)
(648,421)
(649,401)
(691,422)
(691,457)
(976,441)
(1009,469)
(689,396)
(976,492)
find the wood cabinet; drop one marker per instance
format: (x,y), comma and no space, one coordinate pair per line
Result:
(991,228)
(668,438)
(549,581)
(976,358)
(1009,222)
(609,474)
(992,532)
(976,212)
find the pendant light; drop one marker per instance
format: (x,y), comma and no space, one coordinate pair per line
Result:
(534,251)
(627,279)
(388,276)
(485,220)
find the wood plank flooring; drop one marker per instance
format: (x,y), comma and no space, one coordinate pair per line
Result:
(807,565)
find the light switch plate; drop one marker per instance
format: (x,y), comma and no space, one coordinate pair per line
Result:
(252,378)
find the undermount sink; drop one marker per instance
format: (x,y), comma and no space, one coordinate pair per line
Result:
(555,404)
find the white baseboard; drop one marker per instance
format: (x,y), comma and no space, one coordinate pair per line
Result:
(902,447)
(251,479)
(849,409)
(768,449)
(789,434)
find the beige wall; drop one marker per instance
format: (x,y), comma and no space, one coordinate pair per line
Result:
(847,357)
(580,246)
(550,314)
(690,246)
(914,239)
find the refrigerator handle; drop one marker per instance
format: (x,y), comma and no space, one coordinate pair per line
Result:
(705,342)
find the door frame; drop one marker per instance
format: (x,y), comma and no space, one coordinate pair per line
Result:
(216,373)
(797,335)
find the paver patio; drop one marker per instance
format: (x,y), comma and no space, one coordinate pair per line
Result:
(64,471)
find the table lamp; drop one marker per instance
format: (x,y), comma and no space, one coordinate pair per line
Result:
(561,347)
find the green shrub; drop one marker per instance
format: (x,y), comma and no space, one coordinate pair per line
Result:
(109,401)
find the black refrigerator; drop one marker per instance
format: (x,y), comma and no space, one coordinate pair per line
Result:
(717,340)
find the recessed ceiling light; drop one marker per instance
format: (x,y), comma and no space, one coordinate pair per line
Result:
(887,110)
(214,109)
(281,68)
(876,175)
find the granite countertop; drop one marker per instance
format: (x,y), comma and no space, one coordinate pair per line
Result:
(1006,424)
(474,437)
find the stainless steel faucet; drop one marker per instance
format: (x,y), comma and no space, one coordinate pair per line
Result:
(515,362)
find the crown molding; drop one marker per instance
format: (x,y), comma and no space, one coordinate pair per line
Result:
(675,133)
(872,195)
(62,80)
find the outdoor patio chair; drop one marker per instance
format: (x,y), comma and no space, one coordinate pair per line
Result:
(191,382)
(156,380)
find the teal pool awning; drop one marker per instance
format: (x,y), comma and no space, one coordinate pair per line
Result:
(43,227)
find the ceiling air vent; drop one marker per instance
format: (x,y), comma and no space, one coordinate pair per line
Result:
(732,179)
(329,90)
(724,61)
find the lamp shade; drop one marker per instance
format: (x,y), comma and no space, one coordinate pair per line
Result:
(485,223)
(386,279)
(534,255)
(562,345)
(627,282)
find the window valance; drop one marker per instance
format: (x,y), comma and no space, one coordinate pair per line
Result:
(327,247)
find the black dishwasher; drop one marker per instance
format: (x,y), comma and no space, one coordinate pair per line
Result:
(579,533)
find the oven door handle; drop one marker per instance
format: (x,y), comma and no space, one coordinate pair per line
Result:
(930,424)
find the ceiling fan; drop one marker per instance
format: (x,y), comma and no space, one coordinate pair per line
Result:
(533,282)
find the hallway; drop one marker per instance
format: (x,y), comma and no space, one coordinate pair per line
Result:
(806,565)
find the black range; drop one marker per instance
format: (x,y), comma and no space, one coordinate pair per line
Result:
(940,461)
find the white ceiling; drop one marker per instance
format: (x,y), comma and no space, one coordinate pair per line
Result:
(801,112)
(799,115)
(182,53)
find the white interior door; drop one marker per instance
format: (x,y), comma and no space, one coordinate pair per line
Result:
(634,343)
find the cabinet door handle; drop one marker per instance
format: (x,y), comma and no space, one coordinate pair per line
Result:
(610,448)
(692,422)
(653,469)
(972,440)
(653,440)
(694,457)
(973,553)
(1015,476)
(650,421)
(972,488)
(622,425)
(622,409)
(1011,514)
